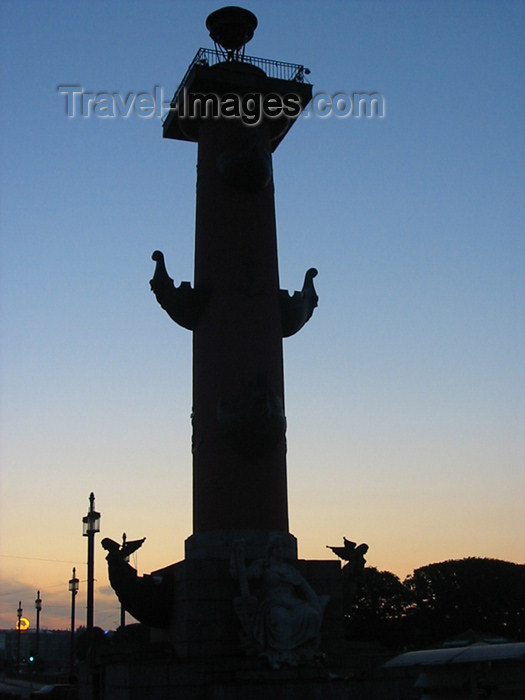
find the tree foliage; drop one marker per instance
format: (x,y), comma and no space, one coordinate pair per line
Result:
(379,612)
(439,601)
(481,594)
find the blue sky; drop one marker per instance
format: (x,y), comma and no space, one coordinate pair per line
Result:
(405,391)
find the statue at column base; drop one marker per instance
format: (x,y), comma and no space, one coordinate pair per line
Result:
(354,556)
(282,623)
(148,598)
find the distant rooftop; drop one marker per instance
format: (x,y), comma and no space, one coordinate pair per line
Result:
(474,653)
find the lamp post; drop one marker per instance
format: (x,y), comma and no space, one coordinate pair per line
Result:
(38,608)
(90,526)
(19,613)
(73,587)
(122,608)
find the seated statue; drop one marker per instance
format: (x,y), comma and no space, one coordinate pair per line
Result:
(284,622)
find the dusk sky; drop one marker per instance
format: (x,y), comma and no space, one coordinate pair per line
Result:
(405,392)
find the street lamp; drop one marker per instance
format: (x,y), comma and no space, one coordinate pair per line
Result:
(90,526)
(38,608)
(19,613)
(122,608)
(73,587)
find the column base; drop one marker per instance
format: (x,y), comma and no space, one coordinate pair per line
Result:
(217,544)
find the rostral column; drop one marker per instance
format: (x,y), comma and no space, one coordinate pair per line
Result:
(238,110)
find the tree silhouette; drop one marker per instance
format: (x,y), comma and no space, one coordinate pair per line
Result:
(438,601)
(487,595)
(380,610)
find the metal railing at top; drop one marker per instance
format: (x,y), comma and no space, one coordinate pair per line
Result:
(273,69)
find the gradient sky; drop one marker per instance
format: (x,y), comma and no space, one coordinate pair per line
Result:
(405,391)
